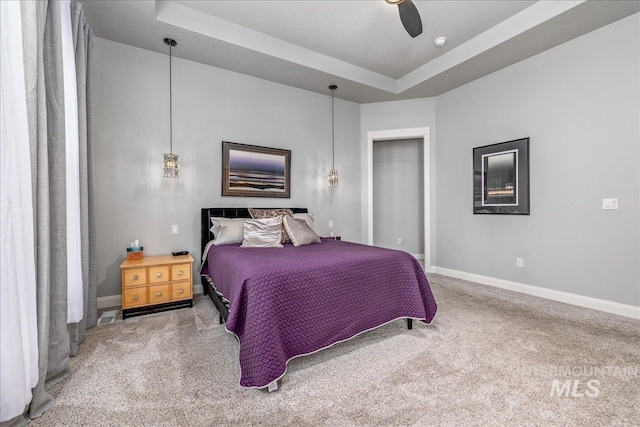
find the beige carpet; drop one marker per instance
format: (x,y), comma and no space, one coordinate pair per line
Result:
(490,358)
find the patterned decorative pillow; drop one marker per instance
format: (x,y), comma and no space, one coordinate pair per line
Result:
(271,213)
(300,232)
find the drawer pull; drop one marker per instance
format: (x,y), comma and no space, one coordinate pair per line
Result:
(135,297)
(159,294)
(135,277)
(159,274)
(181,291)
(180,273)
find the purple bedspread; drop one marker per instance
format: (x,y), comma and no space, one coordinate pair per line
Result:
(286,302)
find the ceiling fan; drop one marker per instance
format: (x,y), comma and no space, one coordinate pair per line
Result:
(409,16)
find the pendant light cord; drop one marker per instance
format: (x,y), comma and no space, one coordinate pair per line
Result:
(170,105)
(333,135)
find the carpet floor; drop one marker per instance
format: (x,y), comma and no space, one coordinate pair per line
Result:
(490,357)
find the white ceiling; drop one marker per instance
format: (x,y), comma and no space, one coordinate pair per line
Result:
(360,45)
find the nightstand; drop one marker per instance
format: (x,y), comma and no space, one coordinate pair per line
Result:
(156,283)
(335,237)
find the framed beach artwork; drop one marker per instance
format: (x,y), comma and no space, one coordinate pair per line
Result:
(253,171)
(501,178)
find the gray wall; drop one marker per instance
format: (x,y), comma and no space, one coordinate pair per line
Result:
(411,113)
(579,103)
(398,195)
(131,103)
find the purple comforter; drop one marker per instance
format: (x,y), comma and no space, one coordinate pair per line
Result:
(286,302)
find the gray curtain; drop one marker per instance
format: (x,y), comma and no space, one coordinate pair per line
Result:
(50,209)
(82,36)
(45,108)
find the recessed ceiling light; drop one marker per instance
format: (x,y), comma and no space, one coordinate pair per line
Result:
(394,1)
(440,41)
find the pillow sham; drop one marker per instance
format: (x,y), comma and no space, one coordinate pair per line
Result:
(270,213)
(299,232)
(262,233)
(229,232)
(217,222)
(307,217)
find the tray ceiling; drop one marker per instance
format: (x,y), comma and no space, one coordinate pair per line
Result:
(359,44)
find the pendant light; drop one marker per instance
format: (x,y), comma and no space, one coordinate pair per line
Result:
(171,162)
(333,175)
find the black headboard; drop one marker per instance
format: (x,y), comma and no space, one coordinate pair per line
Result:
(208,213)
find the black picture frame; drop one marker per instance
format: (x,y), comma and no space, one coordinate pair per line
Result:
(254,171)
(501,178)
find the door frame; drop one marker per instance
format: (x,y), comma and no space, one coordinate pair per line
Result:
(392,134)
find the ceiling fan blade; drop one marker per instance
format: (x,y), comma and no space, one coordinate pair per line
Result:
(410,18)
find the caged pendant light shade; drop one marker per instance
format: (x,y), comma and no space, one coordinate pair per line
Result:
(171,162)
(333,178)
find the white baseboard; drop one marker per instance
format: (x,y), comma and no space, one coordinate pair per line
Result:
(626,310)
(116,300)
(110,301)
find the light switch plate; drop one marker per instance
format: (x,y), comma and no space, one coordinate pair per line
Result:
(609,204)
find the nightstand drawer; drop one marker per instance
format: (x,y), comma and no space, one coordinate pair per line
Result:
(181,290)
(181,272)
(134,297)
(156,283)
(135,276)
(159,293)
(159,274)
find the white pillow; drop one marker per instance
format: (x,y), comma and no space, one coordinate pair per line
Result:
(307,217)
(229,232)
(262,233)
(217,222)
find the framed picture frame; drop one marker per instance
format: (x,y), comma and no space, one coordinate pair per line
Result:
(253,171)
(501,178)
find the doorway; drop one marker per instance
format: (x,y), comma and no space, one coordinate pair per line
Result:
(402,134)
(398,205)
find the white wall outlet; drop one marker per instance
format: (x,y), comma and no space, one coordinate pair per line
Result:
(331,224)
(519,262)
(174,229)
(399,241)
(609,203)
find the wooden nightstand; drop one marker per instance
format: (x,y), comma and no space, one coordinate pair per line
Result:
(156,283)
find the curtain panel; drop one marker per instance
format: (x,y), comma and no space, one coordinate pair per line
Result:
(59,332)
(82,37)
(19,355)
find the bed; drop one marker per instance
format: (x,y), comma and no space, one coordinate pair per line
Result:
(282,303)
